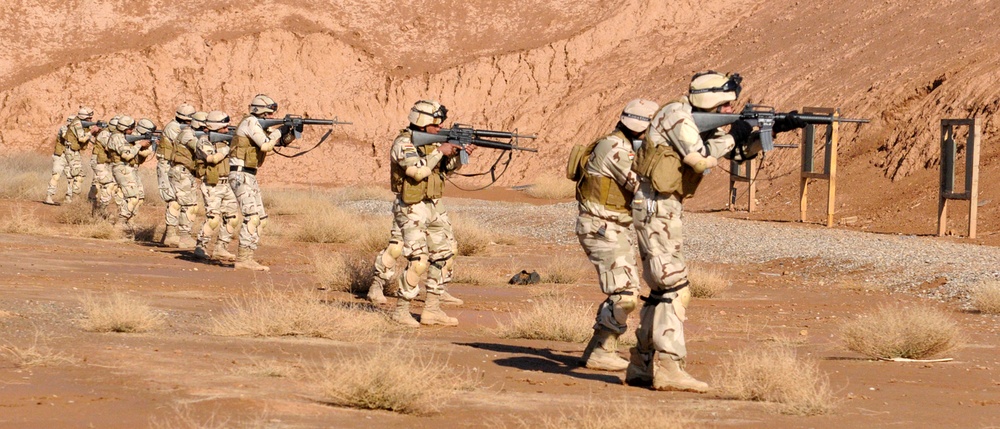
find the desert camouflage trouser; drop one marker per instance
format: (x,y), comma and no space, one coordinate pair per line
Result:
(658,225)
(610,247)
(221,209)
(385,265)
(186,194)
(127,178)
(74,172)
(166,191)
(107,187)
(251,204)
(59,167)
(427,246)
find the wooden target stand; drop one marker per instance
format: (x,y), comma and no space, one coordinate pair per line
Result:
(808,171)
(949,153)
(745,172)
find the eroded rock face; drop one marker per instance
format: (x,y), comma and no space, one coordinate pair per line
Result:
(561,69)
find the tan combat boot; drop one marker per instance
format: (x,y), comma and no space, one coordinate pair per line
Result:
(640,369)
(170,237)
(448,299)
(186,242)
(602,352)
(668,375)
(375,295)
(402,316)
(221,252)
(244,260)
(49,200)
(433,315)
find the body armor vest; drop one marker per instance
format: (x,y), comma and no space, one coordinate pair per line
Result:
(101,148)
(184,156)
(60,148)
(243,149)
(411,190)
(71,138)
(602,189)
(663,167)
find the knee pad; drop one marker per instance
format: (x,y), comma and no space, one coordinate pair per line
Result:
(395,249)
(213,221)
(386,258)
(231,224)
(262,224)
(174,208)
(614,311)
(415,270)
(132,204)
(252,223)
(190,212)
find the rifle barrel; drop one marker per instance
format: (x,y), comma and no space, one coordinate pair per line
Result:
(823,119)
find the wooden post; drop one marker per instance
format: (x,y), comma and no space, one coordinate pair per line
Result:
(949,153)
(745,172)
(808,170)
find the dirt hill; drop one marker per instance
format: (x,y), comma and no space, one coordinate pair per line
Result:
(559,68)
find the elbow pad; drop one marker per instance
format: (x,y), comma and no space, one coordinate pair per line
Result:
(419,173)
(700,163)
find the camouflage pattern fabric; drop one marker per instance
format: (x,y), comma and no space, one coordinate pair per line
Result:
(251,204)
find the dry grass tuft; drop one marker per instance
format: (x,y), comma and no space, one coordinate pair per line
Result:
(615,414)
(20,221)
(373,235)
(77,213)
(986,297)
(329,224)
(119,312)
(552,188)
(352,272)
(472,238)
(25,176)
(398,377)
(272,368)
(566,268)
(362,193)
(282,202)
(480,275)
(35,355)
(552,318)
(895,332)
(265,312)
(774,373)
(706,283)
(183,417)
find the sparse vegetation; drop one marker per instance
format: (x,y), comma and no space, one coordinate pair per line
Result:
(35,354)
(774,373)
(373,236)
(118,312)
(329,224)
(397,377)
(706,283)
(551,318)
(266,312)
(986,297)
(472,239)
(479,275)
(916,332)
(552,188)
(25,176)
(268,368)
(351,272)
(183,417)
(623,414)
(20,221)
(566,268)
(362,193)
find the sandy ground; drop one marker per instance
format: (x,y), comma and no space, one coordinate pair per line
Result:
(181,376)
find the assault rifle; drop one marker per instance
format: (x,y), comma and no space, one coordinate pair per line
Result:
(762,117)
(295,124)
(99,124)
(463,135)
(154,136)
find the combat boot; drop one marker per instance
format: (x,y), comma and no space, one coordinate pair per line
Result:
(69,199)
(375,295)
(170,237)
(49,200)
(640,369)
(433,315)
(668,375)
(244,260)
(602,352)
(448,299)
(222,253)
(186,242)
(402,316)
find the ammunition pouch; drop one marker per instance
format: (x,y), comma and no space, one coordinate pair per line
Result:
(249,153)
(662,165)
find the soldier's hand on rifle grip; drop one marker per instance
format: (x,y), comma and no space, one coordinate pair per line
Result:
(95,130)
(448,149)
(740,130)
(470,148)
(791,121)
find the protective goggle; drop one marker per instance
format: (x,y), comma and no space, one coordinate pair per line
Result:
(636,117)
(272,106)
(732,85)
(224,120)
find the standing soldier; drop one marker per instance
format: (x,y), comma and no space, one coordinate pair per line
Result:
(126,158)
(417,179)
(164,162)
(671,163)
(221,207)
(182,179)
(67,159)
(104,179)
(250,145)
(58,162)
(605,185)
(385,266)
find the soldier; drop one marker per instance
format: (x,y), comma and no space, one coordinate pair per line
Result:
(220,202)
(670,164)
(104,179)
(182,174)
(250,145)
(417,179)
(164,162)
(604,227)
(126,158)
(385,266)
(74,139)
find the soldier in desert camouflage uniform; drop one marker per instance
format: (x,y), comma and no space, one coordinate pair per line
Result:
(66,159)
(184,168)
(385,266)
(671,163)
(58,162)
(605,186)
(126,158)
(250,146)
(221,207)
(417,179)
(164,162)
(103,181)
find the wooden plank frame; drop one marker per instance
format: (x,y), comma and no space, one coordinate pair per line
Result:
(745,172)
(808,171)
(949,153)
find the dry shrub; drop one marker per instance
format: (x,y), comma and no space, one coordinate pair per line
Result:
(362,193)
(25,176)
(100,231)
(617,414)
(397,377)
(78,213)
(352,272)
(553,318)
(706,283)
(564,268)
(774,373)
(119,312)
(265,312)
(183,418)
(890,332)
(472,239)
(552,188)
(147,178)
(374,233)
(281,202)
(20,221)
(36,354)
(329,224)
(479,275)
(986,297)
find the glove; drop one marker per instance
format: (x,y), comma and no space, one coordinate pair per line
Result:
(791,121)
(740,130)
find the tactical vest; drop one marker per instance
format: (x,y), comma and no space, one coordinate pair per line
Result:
(411,190)
(101,148)
(165,147)
(243,149)
(113,156)
(184,156)
(212,173)
(60,148)
(71,138)
(602,190)
(663,167)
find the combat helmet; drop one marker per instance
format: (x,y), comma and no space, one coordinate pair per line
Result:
(198,120)
(125,123)
(216,120)
(262,104)
(85,113)
(427,112)
(184,112)
(145,126)
(712,89)
(637,114)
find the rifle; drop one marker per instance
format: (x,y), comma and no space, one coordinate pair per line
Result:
(463,135)
(215,137)
(99,124)
(762,117)
(152,137)
(295,123)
